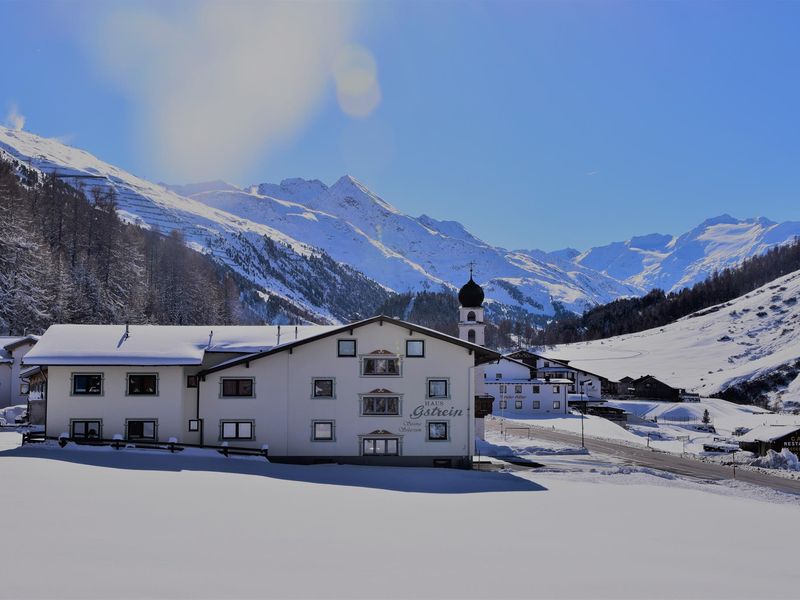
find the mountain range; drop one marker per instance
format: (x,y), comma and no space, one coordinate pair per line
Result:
(329,253)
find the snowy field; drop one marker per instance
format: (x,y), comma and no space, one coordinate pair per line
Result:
(96,523)
(735,341)
(673,422)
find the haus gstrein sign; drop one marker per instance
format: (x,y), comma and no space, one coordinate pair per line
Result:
(429,408)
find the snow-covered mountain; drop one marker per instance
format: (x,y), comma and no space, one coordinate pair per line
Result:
(745,339)
(332,252)
(674,262)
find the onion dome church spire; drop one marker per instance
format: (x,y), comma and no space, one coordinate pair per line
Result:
(470,313)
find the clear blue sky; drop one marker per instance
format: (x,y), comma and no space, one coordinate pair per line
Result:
(536,124)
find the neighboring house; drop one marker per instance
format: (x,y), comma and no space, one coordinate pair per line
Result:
(771,437)
(377,391)
(581,381)
(35,378)
(12,351)
(650,388)
(516,389)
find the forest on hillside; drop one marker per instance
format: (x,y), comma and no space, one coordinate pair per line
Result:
(67,259)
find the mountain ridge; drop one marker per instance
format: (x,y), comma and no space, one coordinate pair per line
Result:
(354,232)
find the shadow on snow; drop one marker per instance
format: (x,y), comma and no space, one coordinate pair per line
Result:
(399,479)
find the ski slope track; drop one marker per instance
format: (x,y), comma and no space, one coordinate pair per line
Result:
(710,350)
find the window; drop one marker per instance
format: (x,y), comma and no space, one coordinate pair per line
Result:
(381,366)
(233,388)
(194,424)
(380,446)
(142,384)
(191,381)
(380,405)
(438,431)
(471,336)
(535,389)
(471,315)
(346,347)
(322,431)
(556,403)
(141,430)
(518,404)
(503,403)
(438,388)
(87,384)
(415,348)
(498,375)
(503,388)
(87,429)
(236,430)
(323,388)
(546,364)
(517,389)
(556,389)
(537,404)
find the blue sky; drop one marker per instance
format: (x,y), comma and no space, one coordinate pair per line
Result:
(536,124)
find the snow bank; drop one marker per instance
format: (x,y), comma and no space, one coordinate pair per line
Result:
(785,459)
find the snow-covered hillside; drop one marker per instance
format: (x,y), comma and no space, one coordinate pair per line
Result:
(295,238)
(672,263)
(711,350)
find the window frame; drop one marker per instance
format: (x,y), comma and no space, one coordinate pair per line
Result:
(363,397)
(366,357)
(314,395)
(415,341)
(339,348)
(128,437)
(556,404)
(428,437)
(517,388)
(536,389)
(430,380)
(237,422)
(315,422)
(503,404)
(537,405)
(72,391)
(556,389)
(190,378)
(73,422)
(385,439)
(137,374)
(222,381)
(518,404)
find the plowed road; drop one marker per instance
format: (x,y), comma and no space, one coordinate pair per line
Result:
(663,461)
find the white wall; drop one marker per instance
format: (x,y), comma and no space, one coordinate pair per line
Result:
(283,409)
(114,406)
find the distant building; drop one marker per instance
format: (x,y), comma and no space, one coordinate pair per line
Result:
(650,388)
(12,350)
(771,437)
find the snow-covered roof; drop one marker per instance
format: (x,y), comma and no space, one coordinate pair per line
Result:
(157,344)
(768,433)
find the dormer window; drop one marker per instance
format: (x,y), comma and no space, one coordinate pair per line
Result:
(380,364)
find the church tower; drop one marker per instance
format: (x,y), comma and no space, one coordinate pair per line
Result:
(470,313)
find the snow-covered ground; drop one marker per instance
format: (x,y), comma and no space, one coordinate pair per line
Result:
(676,427)
(107,524)
(735,341)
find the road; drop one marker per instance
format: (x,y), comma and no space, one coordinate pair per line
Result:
(664,461)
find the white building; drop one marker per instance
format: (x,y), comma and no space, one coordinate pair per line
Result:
(12,351)
(376,391)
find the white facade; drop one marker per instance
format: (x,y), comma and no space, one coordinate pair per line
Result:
(400,394)
(471,326)
(543,387)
